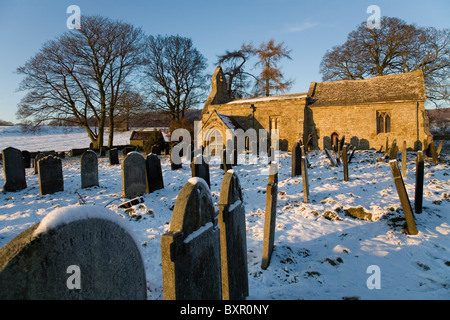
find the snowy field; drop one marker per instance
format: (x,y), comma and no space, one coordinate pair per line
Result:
(320,252)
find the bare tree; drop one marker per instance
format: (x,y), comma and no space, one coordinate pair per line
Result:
(130,104)
(232,63)
(80,76)
(271,77)
(396,47)
(174,69)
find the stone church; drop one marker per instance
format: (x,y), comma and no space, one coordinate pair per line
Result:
(365,112)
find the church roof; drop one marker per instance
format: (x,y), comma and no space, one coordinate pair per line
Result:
(396,87)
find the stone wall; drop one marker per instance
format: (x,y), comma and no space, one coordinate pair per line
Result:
(359,124)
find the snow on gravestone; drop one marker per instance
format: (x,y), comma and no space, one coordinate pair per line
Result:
(134,179)
(190,250)
(14,170)
(89,169)
(233,241)
(200,169)
(78,252)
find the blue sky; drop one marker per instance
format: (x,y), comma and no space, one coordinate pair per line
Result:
(308,28)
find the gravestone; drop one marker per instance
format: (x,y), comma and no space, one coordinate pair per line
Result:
(74,253)
(200,169)
(345,162)
(14,170)
(190,250)
(26,159)
(134,178)
(439,149)
(154,173)
(50,175)
(233,241)
(403,196)
(393,151)
(418,192)
(305,179)
(270,215)
(113,155)
(330,157)
(296,160)
(404,156)
(225,160)
(351,155)
(434,153)
(176,165)
(37,157)
(89,169)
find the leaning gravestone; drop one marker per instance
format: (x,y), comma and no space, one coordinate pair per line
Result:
(296,160)
(113,156)
(190,250)
(89,169)
(305,179)
(14,170)
(270,216)
(200,169)
(154,173)
(134,178)
(330,157)
(74,253)
(50,175)
(233,241)
(404,199)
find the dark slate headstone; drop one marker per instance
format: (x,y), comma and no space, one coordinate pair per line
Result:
(190,250)
(74,253)
(296,160)
(270,215)
(89,169)
(418,191)
(113,156)
(233,241)
(14,170)
(134,178)
(305,180)
(154,173)
(26,158)
(50,175)
(200,169)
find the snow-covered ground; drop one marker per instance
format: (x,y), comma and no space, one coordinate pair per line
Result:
(317,254)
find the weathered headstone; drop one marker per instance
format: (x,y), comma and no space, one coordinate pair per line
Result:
(345,162)
(134,179)
(154,173)
(14,170)
(296,160)
(37,157)
(403,196)
(439,149)
(330,157)
(89,169)
(26,158)
(434,153)
(404,156)
(113,155)
(50,175)
(233,241)
(418,192)
(393,151)
(175,165)
(351,155)
(270,216)
(200,169)
(74,253)
(305,179)
(190,250)
(225,159)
